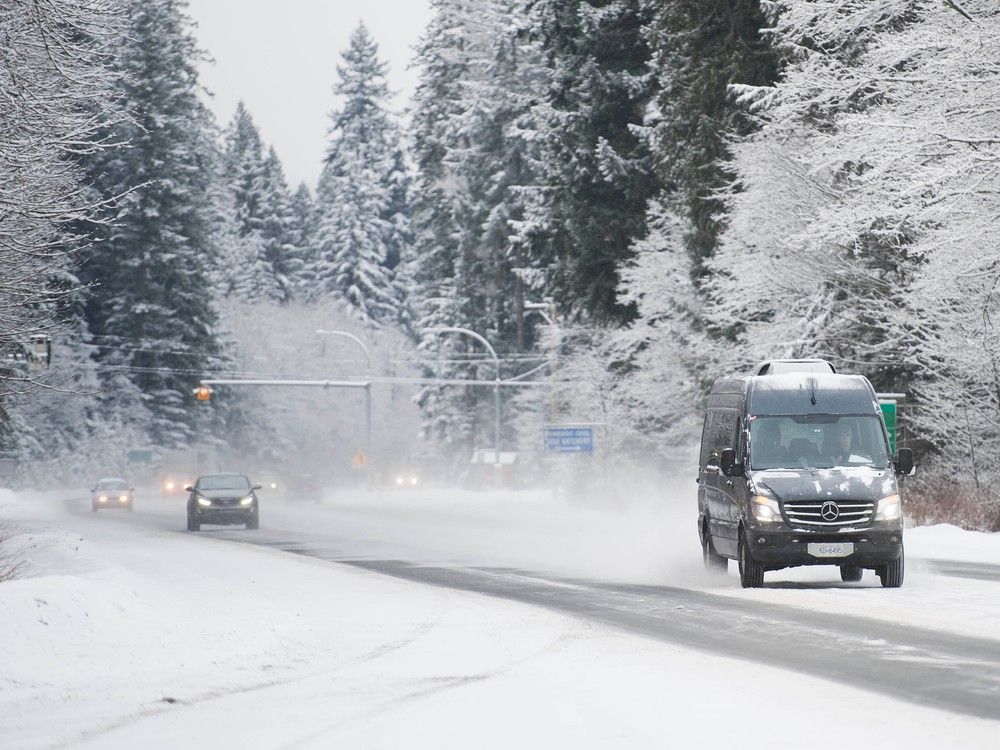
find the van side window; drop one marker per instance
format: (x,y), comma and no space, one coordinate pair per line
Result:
(711,418)
(721,431)
(729,431)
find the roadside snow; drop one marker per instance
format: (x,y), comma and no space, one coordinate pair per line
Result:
(946,542)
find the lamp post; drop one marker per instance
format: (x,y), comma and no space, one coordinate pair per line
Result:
(496,385)
(547,311)
(368,394)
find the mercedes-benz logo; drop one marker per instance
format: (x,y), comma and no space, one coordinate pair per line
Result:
(830,511)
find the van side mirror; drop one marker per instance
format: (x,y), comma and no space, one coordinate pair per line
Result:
(904,462)
(728,464)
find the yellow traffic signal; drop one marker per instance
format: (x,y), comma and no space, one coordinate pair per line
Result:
(203,393)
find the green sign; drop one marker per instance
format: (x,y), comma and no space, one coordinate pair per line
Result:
(140,457)
(889,414)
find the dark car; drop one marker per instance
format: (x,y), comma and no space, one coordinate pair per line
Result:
(111,492)
(795,470)
(224,499)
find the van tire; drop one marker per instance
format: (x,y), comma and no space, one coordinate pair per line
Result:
(751,571)
(714,563)
(891,574)
(851,573)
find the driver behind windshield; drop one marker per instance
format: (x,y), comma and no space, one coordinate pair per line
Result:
(769,450)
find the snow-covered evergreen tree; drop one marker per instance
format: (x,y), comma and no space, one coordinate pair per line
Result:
(152,313)
(254,186)
(303,210)
(359,222)
(595,173)
(699,49)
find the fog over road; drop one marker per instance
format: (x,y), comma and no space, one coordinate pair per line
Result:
(499,551)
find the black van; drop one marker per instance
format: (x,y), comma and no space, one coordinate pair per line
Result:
(795,470)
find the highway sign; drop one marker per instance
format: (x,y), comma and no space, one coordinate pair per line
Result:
(569,439)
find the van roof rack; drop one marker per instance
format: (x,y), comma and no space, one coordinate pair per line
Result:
(784,366)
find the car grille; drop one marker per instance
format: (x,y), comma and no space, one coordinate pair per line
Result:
(810,513)
(225,502)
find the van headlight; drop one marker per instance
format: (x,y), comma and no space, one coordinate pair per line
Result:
(204,502)
(766,509)
(890,508)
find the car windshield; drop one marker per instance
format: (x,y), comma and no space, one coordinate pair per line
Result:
(817,441)
(112,484)
(224,482)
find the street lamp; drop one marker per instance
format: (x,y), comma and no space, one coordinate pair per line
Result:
(352,337)
(547,311)
(368,393)
(496,384)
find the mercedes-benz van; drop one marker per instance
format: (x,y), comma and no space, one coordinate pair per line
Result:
(795,470)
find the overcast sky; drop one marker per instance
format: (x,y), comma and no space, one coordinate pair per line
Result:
(280,57)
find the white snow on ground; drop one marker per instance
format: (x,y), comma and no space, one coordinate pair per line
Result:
(944,542)
(257,648)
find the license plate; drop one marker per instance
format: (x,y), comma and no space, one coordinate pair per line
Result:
(831,549)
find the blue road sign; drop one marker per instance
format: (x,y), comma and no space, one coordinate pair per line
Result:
(569,439)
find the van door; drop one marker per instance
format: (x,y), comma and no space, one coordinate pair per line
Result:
(732,490)
(714,489)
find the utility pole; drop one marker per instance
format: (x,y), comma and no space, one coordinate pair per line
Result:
(368,396)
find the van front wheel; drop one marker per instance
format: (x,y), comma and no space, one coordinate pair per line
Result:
(751,571)
(891,574)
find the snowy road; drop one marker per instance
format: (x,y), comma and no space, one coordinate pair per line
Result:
(923,661)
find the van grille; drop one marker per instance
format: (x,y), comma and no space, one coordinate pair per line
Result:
(849,513)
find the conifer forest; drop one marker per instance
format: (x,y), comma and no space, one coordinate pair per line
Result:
(626,198)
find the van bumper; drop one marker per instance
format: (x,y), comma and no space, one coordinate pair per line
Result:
(786,548)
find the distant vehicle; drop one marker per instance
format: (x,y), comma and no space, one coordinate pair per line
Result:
(174,485)
(408,479)
(224,499)
(272,485)
(785,366)
(795,470)
(111,492)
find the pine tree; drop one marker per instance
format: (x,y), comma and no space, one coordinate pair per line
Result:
(280,228)
(152,312)
(303,210)
(254,275)
(595,169)
(359,225)
(700,49)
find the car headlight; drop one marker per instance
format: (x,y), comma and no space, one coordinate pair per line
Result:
(103,499)
(169,486)
(247,500)
(766,509)
(204,502)
(274,485)
(889,508)
(399,481)
(123,498)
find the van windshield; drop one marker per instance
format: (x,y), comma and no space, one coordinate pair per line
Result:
(817,441)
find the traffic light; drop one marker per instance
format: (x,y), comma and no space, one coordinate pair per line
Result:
(203,393)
